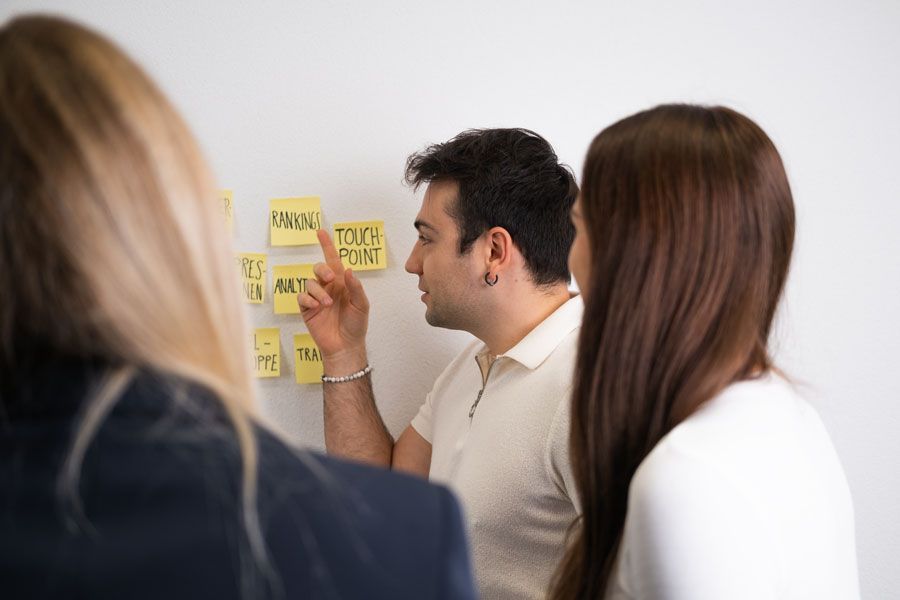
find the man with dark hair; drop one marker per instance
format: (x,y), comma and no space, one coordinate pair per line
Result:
(494,236)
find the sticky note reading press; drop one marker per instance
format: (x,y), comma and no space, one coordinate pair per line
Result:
(253,276)
(294,221)
(226,198)
(307,359)
(361,245)
(266,345)
(287,282)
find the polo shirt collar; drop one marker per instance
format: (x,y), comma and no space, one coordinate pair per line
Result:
(541,341)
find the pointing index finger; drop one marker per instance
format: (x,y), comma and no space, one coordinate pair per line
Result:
(331,254)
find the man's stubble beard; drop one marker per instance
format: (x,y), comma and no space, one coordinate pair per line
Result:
(446,318)
(454,316)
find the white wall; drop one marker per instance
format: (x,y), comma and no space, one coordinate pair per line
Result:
(328,98)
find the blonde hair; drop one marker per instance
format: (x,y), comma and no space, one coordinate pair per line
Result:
(112,244)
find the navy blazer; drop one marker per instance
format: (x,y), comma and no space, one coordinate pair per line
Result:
(160,489)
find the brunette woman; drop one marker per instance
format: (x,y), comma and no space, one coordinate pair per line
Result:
(703,473)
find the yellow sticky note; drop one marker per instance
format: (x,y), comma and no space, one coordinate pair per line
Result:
(307,359)
(287,282)
(226,197)
(361,245)
(266,344)
(294,221)
(253,276)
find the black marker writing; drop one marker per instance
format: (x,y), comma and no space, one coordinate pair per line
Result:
(300,221)
(358,236)
(308,355)
(293,285)
(251,268)
(360,257)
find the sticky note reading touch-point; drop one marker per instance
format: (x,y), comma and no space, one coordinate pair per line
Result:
(361,245)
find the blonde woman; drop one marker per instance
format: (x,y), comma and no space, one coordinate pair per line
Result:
(131,462)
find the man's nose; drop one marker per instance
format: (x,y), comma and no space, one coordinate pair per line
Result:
(413,264)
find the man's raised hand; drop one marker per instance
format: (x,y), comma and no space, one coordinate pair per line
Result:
(334,305)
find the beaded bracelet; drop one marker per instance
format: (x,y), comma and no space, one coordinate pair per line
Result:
(345,378)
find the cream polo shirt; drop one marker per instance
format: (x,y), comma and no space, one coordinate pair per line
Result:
(509,461)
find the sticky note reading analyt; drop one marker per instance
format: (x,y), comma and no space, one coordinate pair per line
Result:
(361,245)
(307,359)
(253,276)
(226,198)
(266,344)
(294,221)
(287,282)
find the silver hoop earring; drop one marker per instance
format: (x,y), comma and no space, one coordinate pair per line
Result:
(489,281)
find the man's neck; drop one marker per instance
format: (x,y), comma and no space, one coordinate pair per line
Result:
(518,315)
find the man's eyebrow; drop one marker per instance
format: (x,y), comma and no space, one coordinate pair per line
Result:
(422,224)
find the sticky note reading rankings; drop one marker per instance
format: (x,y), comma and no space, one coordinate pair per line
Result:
(294,221)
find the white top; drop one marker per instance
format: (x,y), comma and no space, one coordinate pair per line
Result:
(745,499)
(509,463)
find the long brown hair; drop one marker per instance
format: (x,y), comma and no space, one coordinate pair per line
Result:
(111,242)
(690,223)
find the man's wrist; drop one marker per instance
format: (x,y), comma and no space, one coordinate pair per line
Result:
(345,362)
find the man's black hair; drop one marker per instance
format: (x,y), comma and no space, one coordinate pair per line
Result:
(508,178)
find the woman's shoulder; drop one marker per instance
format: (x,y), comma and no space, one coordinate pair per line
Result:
(752,422)
(364,531)
(330,528)
(749,483)
(161,487)
(756,444)
(310,475)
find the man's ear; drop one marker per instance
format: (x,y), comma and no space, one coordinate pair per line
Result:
(498,250)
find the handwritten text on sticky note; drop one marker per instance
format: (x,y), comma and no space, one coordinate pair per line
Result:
(287,282)
(307,359)
(361,245)
(266,345)
(294,221)
(253,276)
(226,198)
